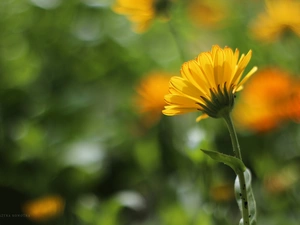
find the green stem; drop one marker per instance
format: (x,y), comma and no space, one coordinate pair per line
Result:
(177,41)
(233,136)
(237,152)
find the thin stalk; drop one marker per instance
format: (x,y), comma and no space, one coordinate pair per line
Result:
(233,136)
(177,41)
(237,152)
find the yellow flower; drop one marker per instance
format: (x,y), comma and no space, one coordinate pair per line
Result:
(44,208)
(280,16)
(150,99)
(140,12)
(208,83)
(206,13)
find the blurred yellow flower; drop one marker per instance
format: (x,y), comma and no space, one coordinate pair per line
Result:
(208,83)
(281,16)
(207,13)
(271,97)
(150,99)
(44,208)
(222,192)
(140,12)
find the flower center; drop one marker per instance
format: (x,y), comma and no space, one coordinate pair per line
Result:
(221,101)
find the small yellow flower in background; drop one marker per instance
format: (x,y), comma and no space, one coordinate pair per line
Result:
(140,12)
(270,98)
(222,192)
(281,16)
(206,12)
(44,208)
(208,83)
(150,99)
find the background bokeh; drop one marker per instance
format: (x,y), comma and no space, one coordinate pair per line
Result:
(75,145)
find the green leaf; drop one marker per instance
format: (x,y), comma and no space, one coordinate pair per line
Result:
(236,164)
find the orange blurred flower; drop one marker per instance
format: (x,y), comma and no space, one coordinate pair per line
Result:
(44,208)
(207,13)
(140,12)
(270,97)
(280,16)
(150,99)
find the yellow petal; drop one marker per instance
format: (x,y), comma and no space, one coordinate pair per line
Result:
(219,76)
(180,100)
(243,62)
(185,88)
(250,73)
(192,72)
(173,110)
(206,66)
(203,116)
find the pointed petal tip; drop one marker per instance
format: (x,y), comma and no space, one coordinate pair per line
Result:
(203,116)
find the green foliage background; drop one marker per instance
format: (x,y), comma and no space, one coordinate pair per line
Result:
(68,72)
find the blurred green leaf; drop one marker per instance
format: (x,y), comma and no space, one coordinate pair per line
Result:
(174,215)
(147,154)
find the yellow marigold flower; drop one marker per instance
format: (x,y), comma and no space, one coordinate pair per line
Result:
(150,99)
(140,12)
(280,16)
(270,98)
(206,13)
(44,208)
(208,83)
